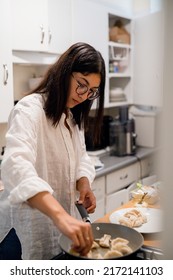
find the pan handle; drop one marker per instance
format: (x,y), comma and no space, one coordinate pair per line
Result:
(83,212)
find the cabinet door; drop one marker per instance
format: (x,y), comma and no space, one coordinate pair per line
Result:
(98,188)
(89,24)
(121,178)
(148,60)
(99,211)
(29,25)
(6,78)
(59,25)
(146,167)
(116,200)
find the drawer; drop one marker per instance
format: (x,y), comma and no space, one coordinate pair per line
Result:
(98,188)
(116,200)
(121,178)
(145,167)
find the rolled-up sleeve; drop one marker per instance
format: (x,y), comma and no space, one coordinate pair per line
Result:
(18,166)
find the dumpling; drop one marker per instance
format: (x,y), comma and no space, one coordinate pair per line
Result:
(112,254)
(105,241)
(98,256)
(125,222)
(122,247)
(133,218)
(119,240)
(138,222)
(144,218)
(95,245)
(93,254)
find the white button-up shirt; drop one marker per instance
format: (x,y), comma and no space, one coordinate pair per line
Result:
(40,157)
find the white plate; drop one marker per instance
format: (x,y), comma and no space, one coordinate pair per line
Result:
(154,219)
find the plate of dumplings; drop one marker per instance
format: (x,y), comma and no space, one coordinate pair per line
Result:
(145,220)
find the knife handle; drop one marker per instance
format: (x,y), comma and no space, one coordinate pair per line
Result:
(83,212)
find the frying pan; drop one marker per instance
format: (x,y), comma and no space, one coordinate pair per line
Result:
(134,237)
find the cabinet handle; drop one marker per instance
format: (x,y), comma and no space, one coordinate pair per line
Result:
(5,74)
(50,36)
(123,177)
(42,33)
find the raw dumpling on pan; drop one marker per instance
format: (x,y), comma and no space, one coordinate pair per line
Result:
(112,254)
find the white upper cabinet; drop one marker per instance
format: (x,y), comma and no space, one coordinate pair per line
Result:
(89,24)
(29,25)
(41,25)
(6,77)
(148,60)
(59,29)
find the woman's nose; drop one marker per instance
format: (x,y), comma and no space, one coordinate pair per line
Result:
(83,96)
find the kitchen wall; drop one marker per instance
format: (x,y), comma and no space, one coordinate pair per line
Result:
(134,7)
(123,5)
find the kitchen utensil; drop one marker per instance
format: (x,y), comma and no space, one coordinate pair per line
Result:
(99,229)
(142,198)
(122,134)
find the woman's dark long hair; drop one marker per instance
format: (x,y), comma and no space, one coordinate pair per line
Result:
(83,58)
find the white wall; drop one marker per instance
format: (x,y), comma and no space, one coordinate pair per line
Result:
(141,6)
(123,4)
(156,5)
(133,7)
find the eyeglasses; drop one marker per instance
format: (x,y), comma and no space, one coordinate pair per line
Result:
(82,89)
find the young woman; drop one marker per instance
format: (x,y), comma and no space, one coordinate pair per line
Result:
(45,166)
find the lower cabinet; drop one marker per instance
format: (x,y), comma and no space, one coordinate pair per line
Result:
(121,178)
(98,188)
(111,190)
(99,212)
(146,166)
(115,200)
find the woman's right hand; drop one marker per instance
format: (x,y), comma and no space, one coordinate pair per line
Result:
(78,231)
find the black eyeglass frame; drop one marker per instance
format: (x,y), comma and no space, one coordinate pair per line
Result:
(91,94)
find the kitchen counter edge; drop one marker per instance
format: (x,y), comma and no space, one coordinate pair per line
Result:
(113,163)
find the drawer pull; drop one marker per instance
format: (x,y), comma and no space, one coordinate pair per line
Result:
(124,177)
(42,33)
(50,36)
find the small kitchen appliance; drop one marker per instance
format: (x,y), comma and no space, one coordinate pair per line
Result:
(122,134)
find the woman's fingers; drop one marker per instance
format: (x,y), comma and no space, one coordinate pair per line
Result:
(83,240)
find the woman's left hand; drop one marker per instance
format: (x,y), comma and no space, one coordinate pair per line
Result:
(86,197)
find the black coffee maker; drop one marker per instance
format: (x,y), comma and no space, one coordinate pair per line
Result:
(122,134)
